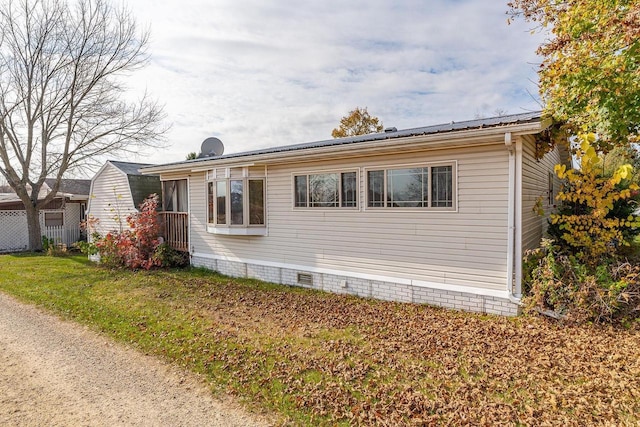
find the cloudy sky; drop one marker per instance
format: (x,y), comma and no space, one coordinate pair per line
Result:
(260,73)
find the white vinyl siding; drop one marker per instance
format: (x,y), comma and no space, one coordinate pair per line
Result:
(110,200)
(535,186)
(464,247)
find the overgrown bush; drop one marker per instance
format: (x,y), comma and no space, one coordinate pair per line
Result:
(582,275)
(563,286)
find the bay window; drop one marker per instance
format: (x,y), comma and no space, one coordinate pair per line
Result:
(236,204)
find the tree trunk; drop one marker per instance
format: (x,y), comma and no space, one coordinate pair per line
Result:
(33,225)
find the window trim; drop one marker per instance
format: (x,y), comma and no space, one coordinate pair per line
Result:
(244,229)
(385,168)
(340,208)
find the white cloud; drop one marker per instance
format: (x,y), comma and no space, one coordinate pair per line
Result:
(258,74)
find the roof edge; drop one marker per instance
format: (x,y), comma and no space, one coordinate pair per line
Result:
(520,124)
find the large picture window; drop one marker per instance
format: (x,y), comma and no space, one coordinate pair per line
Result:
(408,188)
(236,202)
(326,190)
(429,186)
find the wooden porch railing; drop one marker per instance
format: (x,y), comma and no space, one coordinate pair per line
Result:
(175,229)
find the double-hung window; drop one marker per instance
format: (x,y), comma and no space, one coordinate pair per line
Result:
(425,186)
(326,190)
(236,204)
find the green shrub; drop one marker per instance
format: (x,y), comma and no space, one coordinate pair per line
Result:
(47,244)
(51,248)
(89,248)
(166,256)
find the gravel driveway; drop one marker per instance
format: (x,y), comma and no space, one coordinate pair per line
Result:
(56,373)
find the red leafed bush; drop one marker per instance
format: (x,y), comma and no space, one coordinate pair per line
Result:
(134,248)
(144,234)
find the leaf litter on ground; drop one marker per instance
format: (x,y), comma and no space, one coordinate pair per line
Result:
(325,359)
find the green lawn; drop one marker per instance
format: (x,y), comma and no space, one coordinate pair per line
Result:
(319,359)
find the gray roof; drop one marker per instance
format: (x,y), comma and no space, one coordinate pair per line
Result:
(426,130)
(72,186)
(128,167)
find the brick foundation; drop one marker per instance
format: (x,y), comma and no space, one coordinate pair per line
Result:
(340,284)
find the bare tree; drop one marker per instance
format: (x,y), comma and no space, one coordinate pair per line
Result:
(62,96)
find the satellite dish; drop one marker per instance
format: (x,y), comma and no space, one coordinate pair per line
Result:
(211,147)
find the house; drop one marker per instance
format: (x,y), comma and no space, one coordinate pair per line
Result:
(117,190)
(59,220)
(439,214)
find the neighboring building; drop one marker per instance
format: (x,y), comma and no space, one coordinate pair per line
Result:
(117,190)
(59,220)
(439,214)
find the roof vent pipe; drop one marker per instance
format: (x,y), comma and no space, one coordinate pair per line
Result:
(391,129)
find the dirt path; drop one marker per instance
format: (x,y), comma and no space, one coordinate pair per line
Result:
(56,373)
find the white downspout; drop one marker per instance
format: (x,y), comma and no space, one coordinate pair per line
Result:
(511,214)
(518,226)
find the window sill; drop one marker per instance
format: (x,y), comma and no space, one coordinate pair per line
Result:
(239,231)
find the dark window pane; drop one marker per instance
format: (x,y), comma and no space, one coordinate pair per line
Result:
(174,194)
(211,204)
(168,195)
(237,210)
(221,199)
(300,183)
(442,186)
(256,202)
(349,190)
(53,219)
(375,189)
(323,190)
(407,188)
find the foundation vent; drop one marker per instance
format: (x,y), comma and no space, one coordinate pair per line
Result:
(305,279)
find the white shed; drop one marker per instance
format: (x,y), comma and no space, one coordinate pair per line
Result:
(117,190)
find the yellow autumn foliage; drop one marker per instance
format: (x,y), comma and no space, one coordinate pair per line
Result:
(590,230)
